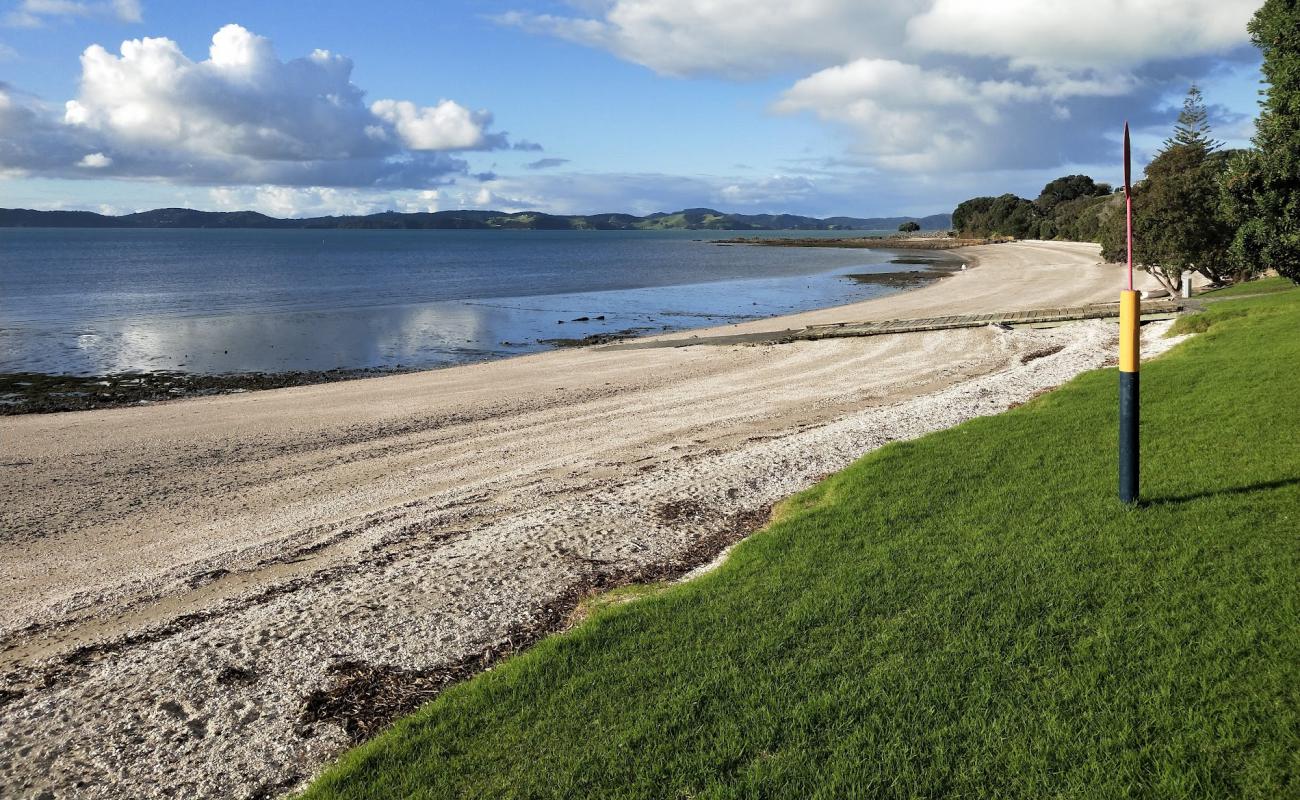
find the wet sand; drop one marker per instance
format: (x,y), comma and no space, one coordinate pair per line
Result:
(213,597)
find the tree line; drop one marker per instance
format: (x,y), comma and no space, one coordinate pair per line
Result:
(1228,214)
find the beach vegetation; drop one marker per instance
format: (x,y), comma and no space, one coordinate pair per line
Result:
(910,226)
(1070,208)
(970,614)
(1066,189)
(992,217)
(1178,219)
(1261,190)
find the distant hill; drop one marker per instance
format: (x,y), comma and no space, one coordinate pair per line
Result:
(687,219)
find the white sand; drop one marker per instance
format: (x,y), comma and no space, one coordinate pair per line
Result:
(417,519)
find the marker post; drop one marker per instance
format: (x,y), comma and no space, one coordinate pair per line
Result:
(1130,313)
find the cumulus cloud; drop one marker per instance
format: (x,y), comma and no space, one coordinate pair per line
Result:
(95,161)
(446,126)
(240,116)
(937,83)
(758,37)
(34,13)
(1104,34)
(731,37)
(914,118)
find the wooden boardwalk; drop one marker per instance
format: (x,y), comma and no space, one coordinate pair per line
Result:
(1151,310)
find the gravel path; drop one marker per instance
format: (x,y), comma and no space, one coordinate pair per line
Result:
(214,597)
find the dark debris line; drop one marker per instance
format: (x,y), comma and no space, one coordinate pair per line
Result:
(365,698)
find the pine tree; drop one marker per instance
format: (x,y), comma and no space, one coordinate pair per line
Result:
(1192,130)
(1261,191)
(1178,223)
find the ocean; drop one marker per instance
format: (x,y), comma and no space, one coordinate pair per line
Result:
(92,302)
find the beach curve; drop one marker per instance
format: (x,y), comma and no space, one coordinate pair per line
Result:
(194,581)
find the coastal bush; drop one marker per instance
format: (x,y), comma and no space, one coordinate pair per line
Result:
(1262,189)
(1066,189)
(1070,208)
(1006,215)
(1178,220)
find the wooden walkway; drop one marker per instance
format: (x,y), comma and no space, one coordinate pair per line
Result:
(1151,310)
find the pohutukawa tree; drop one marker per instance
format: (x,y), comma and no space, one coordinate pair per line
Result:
(1261,190)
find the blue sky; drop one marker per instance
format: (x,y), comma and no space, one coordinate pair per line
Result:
(823,107)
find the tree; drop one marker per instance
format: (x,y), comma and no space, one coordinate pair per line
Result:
(1080,219)
(1070,187)
(1261,190)
(1070,208)
(1192,130)
(1177,221)
(1005,215)
(909,227)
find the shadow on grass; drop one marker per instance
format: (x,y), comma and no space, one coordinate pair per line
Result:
(1235,490)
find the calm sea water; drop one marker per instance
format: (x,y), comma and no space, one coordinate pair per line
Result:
(210,301)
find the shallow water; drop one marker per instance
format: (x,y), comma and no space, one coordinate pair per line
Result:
(90,302)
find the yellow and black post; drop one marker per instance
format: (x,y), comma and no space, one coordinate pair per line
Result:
(1130,312)
(1130,315)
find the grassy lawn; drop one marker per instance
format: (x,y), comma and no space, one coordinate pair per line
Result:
(972,614)
(1259,286)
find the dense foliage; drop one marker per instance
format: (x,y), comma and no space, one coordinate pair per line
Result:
(1197,208)
(1006,215)
(909,227)
(1070,208)
(1178,222)
(1261,189)
(1067,189)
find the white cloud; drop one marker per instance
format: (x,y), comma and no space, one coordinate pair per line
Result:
(1102,34)
(7,53)
(935,83)
(446,126)
(320,201)
(733,37)
(240,116)
(95,161)
(907,117)
(34,13)
(775,192)
(645,193)
(750,37)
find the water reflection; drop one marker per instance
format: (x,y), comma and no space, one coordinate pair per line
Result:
(359,333)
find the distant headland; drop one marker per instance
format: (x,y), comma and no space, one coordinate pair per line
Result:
(687,219)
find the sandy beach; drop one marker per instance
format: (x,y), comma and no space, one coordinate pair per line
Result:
(213,597)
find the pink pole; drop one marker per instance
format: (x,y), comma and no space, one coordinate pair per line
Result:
(1128,203)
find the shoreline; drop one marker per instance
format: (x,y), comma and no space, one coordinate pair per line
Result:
(933,243)
(26,392)
(229,569)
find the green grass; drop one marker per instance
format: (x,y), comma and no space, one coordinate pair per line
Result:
(972,614)
(1259,286)
(1200,323)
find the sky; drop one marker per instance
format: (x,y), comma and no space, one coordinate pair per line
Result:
(818,107)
